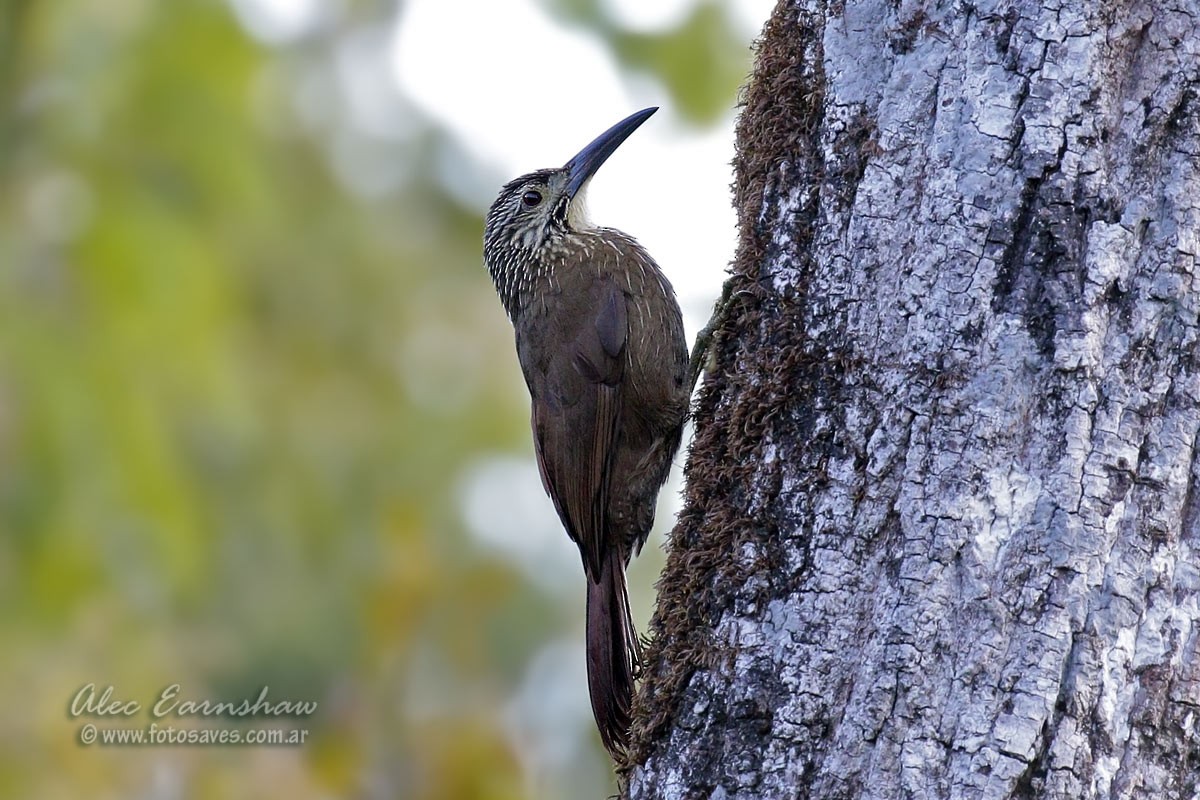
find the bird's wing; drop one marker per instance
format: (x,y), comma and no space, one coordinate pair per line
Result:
(576,385)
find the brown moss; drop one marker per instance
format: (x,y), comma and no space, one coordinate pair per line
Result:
(757,362)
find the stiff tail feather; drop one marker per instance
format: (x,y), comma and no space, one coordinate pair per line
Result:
(613,653)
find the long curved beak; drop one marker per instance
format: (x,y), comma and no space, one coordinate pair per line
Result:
(588,160)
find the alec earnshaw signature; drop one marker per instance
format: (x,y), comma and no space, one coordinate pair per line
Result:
(90,702)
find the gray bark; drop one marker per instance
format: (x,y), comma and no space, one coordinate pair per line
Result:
(941,519)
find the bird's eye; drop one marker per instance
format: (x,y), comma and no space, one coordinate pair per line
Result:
(531,198)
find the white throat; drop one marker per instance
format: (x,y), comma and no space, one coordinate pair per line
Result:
(577,217)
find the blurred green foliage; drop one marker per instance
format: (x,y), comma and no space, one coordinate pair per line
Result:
(236,403)
(701,61)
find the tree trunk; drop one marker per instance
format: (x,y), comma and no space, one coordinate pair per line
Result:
(941,515)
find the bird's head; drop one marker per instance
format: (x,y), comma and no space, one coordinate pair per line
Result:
(536,207)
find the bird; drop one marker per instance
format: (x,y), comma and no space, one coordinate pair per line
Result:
(600,341)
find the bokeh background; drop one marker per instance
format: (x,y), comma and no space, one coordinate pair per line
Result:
(261,422)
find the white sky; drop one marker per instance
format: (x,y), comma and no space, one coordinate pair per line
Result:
(523,92)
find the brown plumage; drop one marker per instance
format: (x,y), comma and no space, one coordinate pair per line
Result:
(600,340)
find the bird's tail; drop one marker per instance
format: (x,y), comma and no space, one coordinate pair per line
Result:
(613,653)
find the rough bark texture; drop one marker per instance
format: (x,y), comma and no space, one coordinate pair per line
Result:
(942,518)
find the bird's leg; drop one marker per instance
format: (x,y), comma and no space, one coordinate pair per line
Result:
(705,338)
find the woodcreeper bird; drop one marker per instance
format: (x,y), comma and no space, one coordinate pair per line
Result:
(600,340)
